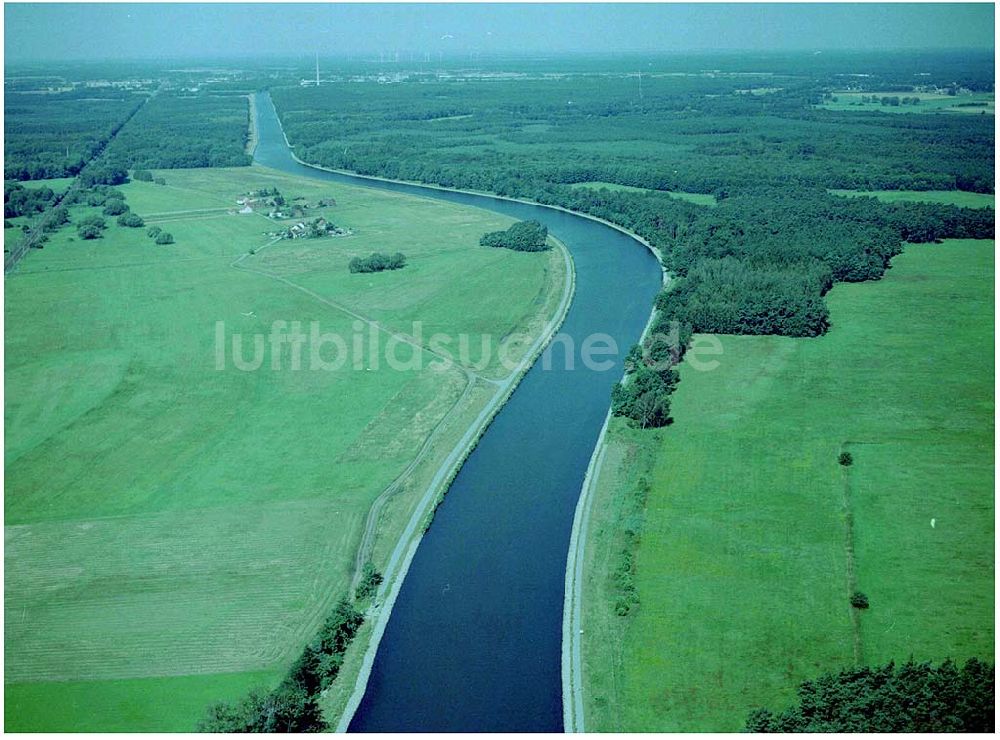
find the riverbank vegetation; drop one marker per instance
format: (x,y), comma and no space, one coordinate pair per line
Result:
(293,706)
(105,340)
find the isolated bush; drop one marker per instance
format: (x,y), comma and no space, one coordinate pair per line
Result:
(859,600)
(91,227)
(132,220)
(88,231)
(153,231)
(164,237)
(377,262)
(114,207)
(845,459)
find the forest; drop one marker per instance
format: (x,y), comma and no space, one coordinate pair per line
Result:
(181,131)
(55,135)
(913,697)
(760,261)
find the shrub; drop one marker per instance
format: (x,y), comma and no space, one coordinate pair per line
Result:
(143,175)
(859,600)
(91,227)
(164,237)
(370,581)
(153,231)
(377,262)
(88,231)
(845,459)
(57,217)
(132,220)
(114,207)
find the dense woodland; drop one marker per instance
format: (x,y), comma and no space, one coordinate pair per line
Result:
(761,260)
(55,135)
(913,697)
(176,131)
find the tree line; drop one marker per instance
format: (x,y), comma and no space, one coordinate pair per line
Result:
(292,706)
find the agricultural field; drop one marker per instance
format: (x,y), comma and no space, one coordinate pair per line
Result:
(176,531)
(967,103)
(741,567)
(958,198)
(699,199)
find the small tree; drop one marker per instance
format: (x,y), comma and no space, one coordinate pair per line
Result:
(845,459)
(859,600)
(153,231)
(164,237)
(370,580)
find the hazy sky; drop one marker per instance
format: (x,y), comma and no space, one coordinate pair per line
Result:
(93,31)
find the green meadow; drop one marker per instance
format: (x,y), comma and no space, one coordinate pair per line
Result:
(699,199)
(959,198)
(176,527)
(968,103)
(742,566)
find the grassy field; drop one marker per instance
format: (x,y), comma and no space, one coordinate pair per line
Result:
(970,103)
(175,532)
(958,198)
(699,199)
(58,184)
(742,567)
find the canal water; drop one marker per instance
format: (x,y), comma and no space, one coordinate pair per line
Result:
(474,640)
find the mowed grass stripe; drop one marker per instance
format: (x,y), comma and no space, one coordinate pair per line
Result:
(960,198)
(741,568)
(103,587)
(129,705)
